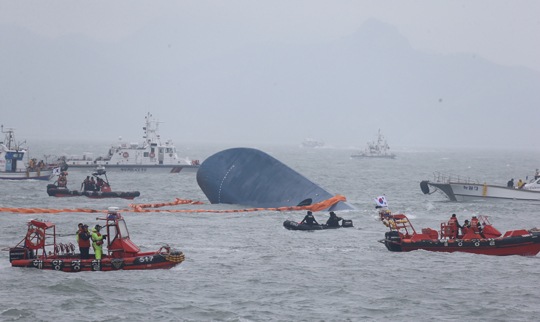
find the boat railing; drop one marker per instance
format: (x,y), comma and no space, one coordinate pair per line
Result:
(442,177)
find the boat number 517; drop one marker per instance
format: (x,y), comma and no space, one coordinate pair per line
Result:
(145,259)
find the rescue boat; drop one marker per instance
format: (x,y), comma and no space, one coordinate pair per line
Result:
(59,189)
(486,240)
(41,249)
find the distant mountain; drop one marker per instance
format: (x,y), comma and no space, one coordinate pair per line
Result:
(343,91)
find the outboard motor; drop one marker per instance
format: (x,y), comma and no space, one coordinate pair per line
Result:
(392,241)
(20,252)
(345,223)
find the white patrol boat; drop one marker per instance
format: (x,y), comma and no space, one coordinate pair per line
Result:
(150,156)
(12,164)
(377,149)
(460,188)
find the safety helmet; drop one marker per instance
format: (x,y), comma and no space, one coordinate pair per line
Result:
(97,227)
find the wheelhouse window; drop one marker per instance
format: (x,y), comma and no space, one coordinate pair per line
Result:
(122,228)
(113,233)
(146,154)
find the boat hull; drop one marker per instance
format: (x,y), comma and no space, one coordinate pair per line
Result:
(391,156)
(137,168)
(142,261)
(456,191)
(251,177)
(54,192)
(528,245)
(23,175)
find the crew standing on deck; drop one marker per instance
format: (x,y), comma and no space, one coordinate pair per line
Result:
(454,223)
(92,186)
(84,185)
(476,224)
(62,180)
(510,183)
(97,239)
(520,184)
(309,219)
(84,242)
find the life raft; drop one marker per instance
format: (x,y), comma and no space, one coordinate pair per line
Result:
(293,225)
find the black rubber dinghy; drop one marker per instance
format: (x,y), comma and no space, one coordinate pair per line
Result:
(293,225)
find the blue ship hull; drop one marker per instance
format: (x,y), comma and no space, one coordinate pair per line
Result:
(253,178)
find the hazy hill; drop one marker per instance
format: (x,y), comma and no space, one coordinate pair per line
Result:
(209,90)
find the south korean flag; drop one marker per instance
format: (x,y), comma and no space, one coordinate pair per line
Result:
(381,201)
(56,171)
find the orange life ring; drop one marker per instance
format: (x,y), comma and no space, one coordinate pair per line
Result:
(35,238)
(152,155)
(125,154)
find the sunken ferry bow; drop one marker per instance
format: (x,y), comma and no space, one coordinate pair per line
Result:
(251,177)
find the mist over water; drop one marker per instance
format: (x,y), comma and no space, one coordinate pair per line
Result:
(247,267)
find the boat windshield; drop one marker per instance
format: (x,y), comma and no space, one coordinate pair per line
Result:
(123,229)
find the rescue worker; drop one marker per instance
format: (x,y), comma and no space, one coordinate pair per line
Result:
(84,184)
(309,219)
(333,221)
(510,183)
(92,185)
(520,184)
(62,180)
(79,230)
(453,222)
(99,184)
(84,242)
(476,223)
(466,224)
(97,239)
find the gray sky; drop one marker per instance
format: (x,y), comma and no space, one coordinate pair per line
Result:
(504,32)
(428,73)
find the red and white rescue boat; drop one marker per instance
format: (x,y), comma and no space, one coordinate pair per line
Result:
(39,249)
(488,241)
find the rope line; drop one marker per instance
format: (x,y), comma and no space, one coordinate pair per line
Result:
(140,208)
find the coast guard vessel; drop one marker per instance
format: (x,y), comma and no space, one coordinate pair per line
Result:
(150,156)
(462,188)
(377,149)
(12,164)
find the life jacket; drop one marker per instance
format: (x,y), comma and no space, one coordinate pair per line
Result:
(97,241)
(452,221)
(84,243)
(474,222)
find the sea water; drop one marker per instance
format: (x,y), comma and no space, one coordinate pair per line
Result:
(247,267)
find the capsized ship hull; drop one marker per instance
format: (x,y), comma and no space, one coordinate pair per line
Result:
(251,177)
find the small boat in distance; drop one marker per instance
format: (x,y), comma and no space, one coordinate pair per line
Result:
(312,143)
(150,156)
(463,188)
(485,240)
(376,149)
(12,164)
(41,249)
